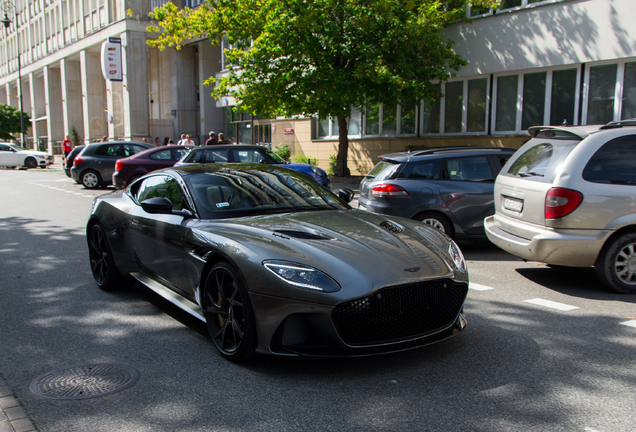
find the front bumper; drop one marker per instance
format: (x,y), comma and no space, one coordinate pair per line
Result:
(566,247)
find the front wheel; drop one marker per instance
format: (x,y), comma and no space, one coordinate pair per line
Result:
(616,266)
(90,179)
(228,313)
(103,265)
(30,163)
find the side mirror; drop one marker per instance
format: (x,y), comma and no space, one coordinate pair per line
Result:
(157,205)
(346,195)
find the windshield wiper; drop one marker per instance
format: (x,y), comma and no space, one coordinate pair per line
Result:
(530,173)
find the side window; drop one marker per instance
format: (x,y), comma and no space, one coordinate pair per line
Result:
(161,186)
(614,162)
(249,156)
(107,150)
(425,170)
(178,154)
(474,168)
(131,149)
(4,148)
(215,155)
(162,155)
(195,156)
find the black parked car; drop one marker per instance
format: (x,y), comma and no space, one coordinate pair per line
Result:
(68,162)
(449,188)
(95,165)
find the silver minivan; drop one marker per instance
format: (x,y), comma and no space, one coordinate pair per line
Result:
(568,197)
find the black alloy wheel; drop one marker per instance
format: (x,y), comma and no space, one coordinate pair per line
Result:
(228,313)
(616,265)
(103,266)
(30,163)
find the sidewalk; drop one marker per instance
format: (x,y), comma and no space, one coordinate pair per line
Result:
(13,418)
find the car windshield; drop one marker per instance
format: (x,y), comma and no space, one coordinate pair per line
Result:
(538,160)
(277,159)
(17,147)
(229,192)
(383,170)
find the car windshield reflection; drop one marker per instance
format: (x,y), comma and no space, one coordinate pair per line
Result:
(230,193)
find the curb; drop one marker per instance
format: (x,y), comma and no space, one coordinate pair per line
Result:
(13,418)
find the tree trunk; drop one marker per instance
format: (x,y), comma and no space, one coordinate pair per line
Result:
(343,149)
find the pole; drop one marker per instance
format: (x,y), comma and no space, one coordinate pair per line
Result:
(17,36)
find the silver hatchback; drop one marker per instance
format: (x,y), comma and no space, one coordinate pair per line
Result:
(568,197)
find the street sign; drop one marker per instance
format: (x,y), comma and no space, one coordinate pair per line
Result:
(112,67)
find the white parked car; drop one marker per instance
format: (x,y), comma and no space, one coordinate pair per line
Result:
(13,155)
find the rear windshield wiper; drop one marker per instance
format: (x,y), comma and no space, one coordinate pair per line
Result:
(530,173)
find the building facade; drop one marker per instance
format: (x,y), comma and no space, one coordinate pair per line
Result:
(531,62)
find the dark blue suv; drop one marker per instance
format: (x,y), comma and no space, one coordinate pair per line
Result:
(449,188)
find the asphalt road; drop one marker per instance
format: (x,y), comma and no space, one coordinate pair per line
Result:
(519,366)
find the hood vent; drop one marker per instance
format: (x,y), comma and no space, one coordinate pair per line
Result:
(302,235)
(392,227)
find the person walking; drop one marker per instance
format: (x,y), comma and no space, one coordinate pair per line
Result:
(212,140)
(188,140)
(157,142)
(166,140)
(222,139)
(170,142)
(182,140)
(67,146)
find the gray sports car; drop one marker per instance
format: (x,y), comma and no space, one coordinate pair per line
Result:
(275,263)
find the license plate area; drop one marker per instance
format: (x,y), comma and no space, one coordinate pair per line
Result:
(513,204)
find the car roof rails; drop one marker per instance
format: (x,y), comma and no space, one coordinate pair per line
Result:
(618,124)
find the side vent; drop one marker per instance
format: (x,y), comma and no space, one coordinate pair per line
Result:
(200,252)
(302,235)
(392,227)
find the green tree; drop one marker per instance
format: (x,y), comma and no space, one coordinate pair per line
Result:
(322,56)
(10,121)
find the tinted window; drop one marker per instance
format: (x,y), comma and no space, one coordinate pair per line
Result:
(216,155)
(162,155)
(131,149)
(474,169)
(251,156)
(109,150)
(195,156)
(179,153)
(615,162)
(161,186)
(539,160)
(384,170)
(5,148)
(423,170)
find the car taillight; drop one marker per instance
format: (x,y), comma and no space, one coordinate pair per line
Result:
(77,160)
(389,190)
(119,165)
(561,202)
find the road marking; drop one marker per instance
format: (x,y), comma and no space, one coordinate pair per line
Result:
(551,304)
(630,323)
(477,287)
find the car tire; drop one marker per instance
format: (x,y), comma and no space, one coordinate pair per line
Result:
(436,220)
(90,179)
(103,266)
(30,163)
(616,266)
(228,313)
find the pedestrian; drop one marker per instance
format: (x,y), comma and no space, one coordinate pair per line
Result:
(104,138)
(182,140)
(157,142)
(188,140)
(170,142)
(67,146)
(222,139)
(144,140)
(211,140)
(165,141)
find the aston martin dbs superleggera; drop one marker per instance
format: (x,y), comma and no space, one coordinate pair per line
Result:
(275,263)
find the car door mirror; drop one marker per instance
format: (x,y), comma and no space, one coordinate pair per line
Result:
(346,195)
(157,205)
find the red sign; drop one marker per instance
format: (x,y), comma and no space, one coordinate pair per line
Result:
(289,131)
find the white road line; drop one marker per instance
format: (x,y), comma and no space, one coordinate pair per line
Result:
(630,323)
(551,304)
(477,287)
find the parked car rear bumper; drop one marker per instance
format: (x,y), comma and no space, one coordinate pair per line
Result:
(567,247)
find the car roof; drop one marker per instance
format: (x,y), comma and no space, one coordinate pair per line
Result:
(156,149)
(234,146)
(428,152)
(185,170)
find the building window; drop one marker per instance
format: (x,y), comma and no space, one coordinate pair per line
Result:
(506,117)
(533,107)
(629,92)
(602,90)
(506,5)
(453,107)
(563,97)
(431,115)
(374,120)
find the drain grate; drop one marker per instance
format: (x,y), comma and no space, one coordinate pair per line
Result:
(85,381)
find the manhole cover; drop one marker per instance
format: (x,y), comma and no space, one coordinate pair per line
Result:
(85,381)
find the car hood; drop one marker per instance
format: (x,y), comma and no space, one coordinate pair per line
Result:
(357,248)
(303,167)
(33,153)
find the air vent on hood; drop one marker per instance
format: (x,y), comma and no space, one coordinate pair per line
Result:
(392,227)
(303,235)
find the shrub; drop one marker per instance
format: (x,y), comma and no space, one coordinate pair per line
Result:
(305,159)
(333,160)
(283,151)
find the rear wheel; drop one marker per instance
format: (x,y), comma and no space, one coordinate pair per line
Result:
(616,266)
(30,163)
(436,220)
(91,179)
(228,313)
(103,265)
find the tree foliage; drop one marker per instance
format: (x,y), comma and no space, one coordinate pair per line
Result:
(322,56)
(10,121)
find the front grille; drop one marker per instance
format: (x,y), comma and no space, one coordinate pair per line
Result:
(400,312)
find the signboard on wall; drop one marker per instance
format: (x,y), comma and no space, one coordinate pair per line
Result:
(112,67)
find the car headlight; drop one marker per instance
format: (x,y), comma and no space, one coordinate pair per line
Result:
(302,276)
(457,256)
(316,170)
